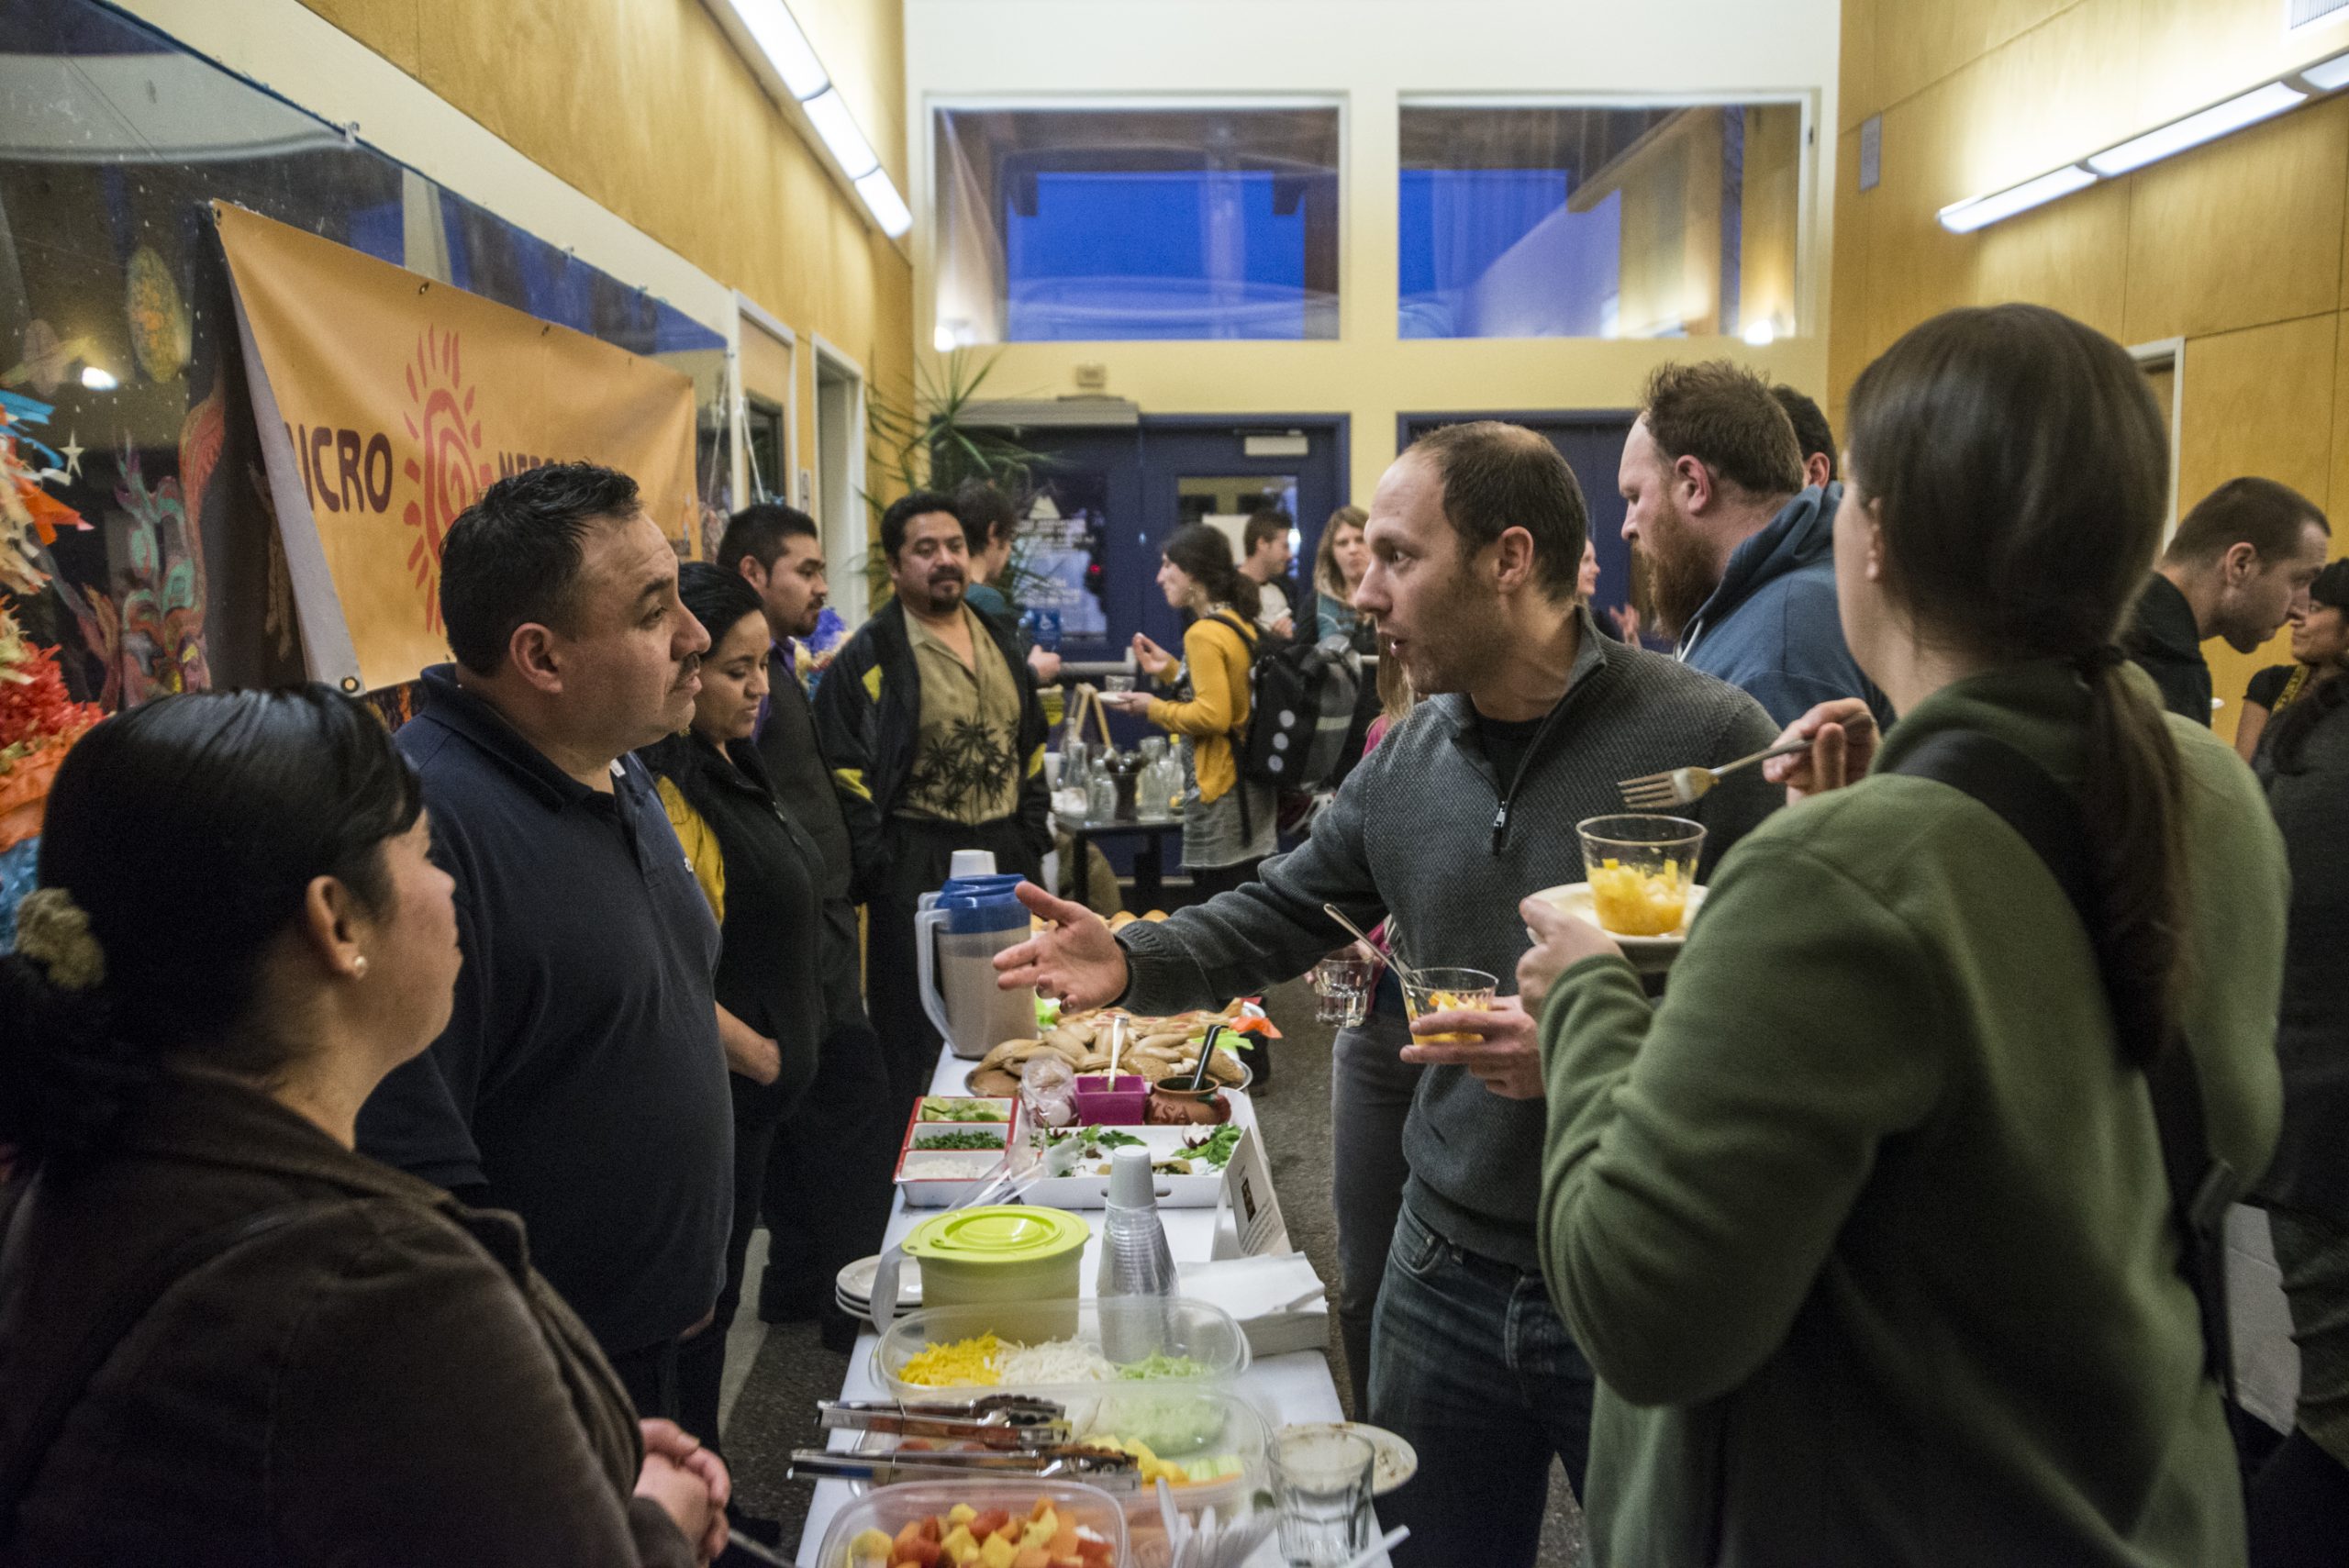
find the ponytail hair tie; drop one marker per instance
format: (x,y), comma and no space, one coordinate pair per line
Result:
(54,932)
(2097,660)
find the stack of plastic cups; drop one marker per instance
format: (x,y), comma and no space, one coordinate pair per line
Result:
(1136,1273)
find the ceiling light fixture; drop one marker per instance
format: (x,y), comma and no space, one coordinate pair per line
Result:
(1964,217)
(2328,75)
(829,112)
(776,32)
(776,35)
(887,207)
(2210,124)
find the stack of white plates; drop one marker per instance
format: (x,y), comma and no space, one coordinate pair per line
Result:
(853,1289)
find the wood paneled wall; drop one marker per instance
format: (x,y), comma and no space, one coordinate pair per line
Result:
(2237,247)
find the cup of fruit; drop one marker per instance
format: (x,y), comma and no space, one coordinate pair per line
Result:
(1447,991)
(1641,869)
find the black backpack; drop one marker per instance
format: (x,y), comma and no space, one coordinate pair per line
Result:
(1301,700)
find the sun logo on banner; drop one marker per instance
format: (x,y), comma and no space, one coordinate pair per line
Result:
(446,471)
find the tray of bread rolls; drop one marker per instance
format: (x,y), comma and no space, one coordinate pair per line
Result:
(1158,1049)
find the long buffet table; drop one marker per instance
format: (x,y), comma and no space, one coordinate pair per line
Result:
(1285,1388)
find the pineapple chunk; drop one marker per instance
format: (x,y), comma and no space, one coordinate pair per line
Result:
(961,1514)
(997,1553)
(870,1546)
(960,1546)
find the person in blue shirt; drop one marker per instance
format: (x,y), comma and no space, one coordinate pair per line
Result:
(1738,545)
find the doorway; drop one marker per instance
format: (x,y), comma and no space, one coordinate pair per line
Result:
(839,508)
(1592,443)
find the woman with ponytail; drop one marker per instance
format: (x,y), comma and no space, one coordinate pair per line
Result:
(1865,1226)
(225,1338)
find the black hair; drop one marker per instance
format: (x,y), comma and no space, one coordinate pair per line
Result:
(1268,523)
(1813,434)
(717,598)
(903,510)
(2268,516)
(759,533)
(1499,476)
(2287,736)
(986,513)
(2020,472)
(512,558)
(1204,553)
(187,833)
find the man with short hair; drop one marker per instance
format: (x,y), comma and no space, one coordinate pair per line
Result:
(2238,567)
(990,525)
(1740,554)
(1468,805)
(1814,437)
(1265,556)
(936,740)
(580,1082)
(828,1187)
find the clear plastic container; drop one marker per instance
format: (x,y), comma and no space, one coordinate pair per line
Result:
(1199,1330)
(889,1509)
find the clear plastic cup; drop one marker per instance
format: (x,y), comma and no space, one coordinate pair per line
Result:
(1343,987)
(1641,869)
(1445,990)
(1321,1483)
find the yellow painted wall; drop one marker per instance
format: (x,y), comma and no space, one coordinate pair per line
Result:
(1368,56)
(645,106)
(2238,247)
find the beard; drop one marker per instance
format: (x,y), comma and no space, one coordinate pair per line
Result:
(1680,573)
(1455,650)
(942,591)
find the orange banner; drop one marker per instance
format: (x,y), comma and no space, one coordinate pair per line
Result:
(387,402)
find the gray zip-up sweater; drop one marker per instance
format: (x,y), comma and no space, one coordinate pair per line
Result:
(1422,831)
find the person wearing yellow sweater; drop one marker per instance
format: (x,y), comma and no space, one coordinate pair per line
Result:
(1228,825)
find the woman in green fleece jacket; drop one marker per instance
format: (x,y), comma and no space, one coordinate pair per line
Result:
(1865,1225)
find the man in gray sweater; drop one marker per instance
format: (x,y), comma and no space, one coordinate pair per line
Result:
(1476,536)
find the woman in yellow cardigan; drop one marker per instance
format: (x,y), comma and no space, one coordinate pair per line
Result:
(1227,826)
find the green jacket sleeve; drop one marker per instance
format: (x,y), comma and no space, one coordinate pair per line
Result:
(1702,1157)
(846,707)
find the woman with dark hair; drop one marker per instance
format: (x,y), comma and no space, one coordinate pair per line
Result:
(1866,1226)
(2320,650)
(225,1338)
(2299,1505)
(763,877)
(1229,823)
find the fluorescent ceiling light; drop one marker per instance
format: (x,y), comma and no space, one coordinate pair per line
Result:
(1964,217)
(771,26)
(2329,74)
(1762,333)
(887,207)
(2194,130)
(828,111)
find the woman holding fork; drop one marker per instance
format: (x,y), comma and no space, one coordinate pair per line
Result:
(1866,1227)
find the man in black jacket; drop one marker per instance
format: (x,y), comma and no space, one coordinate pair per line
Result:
(932,724)
(2238,567)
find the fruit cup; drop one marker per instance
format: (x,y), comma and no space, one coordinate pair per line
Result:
(1641,869)
(1447,990)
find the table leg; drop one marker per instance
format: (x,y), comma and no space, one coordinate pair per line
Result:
(1149,872)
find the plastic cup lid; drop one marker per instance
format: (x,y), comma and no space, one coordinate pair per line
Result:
(1009,1233)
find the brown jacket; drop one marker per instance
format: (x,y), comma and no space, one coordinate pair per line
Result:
(381,1379)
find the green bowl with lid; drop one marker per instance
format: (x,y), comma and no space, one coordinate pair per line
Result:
(1002,1252)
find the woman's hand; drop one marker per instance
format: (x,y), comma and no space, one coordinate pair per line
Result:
(1560,941)
(1842,737)
(689,1482)
(1127,702)
(1154,661)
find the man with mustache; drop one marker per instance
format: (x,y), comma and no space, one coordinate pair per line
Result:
(580,1082)
(929,719)
(1738,552)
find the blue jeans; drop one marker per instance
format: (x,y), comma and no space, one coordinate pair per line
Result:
(1472,1367)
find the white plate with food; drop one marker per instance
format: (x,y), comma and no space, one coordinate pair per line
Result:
(1650,952)
(1392,1462)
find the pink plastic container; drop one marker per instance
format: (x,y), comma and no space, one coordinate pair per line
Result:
(1122,1101)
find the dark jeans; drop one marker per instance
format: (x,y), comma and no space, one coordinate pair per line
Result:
(1472,1367)
(1370,1099)
(920,854)
(701,1361)
(826,1190)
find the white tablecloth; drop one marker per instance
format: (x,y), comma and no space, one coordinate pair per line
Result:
(1286,1389)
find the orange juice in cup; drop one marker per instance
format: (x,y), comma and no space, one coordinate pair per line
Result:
(1641,869)
(1447,991)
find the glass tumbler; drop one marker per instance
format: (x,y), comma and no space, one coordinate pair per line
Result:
(1321,1482)
(1447,991)
(1343,987)
(1641,869)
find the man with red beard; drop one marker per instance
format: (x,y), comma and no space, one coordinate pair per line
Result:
(1738,552)
(931,722)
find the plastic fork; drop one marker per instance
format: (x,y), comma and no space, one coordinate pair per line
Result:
(1686,786)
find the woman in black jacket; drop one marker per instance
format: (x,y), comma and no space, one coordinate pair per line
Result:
(2299,1507)
(225,1338)
(763,877)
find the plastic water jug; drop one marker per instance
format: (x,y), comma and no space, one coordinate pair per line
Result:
(957,932)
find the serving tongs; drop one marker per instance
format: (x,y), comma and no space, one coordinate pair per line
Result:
(998,1420)
(1105,1468)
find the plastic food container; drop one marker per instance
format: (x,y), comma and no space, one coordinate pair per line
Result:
(889,1509)
(1199,1330)
(943,1161)
(1122,1101)
(1003,1253)
(1215,1437)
